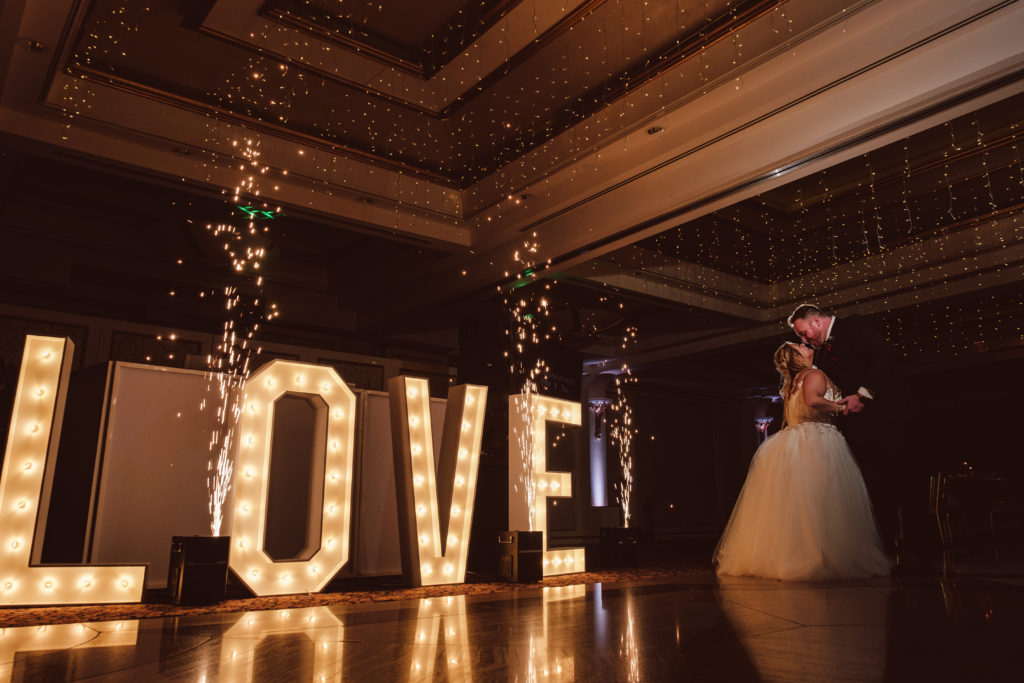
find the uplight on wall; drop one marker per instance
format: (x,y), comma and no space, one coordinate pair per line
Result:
(25,484)
(249,560)
(528,414)
(435,507)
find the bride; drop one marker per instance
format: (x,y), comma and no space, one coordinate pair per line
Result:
(804,511)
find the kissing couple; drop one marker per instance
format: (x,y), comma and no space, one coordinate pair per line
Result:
(805,512)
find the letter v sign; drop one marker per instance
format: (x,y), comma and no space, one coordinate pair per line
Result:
(435,505)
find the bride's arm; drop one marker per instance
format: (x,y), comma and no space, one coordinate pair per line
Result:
(814,388)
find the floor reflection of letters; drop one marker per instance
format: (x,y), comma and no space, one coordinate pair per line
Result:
(442,620)
(547,661)
(277,644)
(17,644)
(794,631)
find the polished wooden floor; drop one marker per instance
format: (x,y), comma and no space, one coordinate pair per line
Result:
(683,629)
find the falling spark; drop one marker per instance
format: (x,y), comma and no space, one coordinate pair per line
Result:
(230,363)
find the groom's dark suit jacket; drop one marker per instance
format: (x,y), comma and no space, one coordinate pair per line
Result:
(857,355)
(883,437)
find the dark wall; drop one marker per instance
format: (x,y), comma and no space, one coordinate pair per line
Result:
(689,459)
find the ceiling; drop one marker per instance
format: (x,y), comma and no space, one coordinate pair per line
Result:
(690,168)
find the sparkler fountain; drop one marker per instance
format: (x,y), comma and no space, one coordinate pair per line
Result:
(231,361)
(527,310)
(622,431)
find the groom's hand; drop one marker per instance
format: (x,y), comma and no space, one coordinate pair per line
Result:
(852,404)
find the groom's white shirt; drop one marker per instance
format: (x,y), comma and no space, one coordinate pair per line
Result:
(862,391)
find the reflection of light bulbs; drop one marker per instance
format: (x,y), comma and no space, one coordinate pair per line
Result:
(466,426)
(418,480)
(414,421)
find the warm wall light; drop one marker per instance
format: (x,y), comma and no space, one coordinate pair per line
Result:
(251,563)
(528,414)
(25,484)
(429,501)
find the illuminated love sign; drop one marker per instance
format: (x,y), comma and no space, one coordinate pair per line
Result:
(435,501)
(28,464)
(334,447)
(435,505)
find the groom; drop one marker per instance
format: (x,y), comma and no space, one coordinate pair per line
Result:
(879,415)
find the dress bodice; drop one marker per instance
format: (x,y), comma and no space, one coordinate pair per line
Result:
(798,412)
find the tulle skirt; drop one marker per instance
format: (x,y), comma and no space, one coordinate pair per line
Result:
(803,513)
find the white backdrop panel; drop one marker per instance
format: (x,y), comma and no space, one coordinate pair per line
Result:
(153,479)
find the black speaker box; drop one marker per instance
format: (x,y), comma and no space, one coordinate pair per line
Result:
(521,556)
(198,572)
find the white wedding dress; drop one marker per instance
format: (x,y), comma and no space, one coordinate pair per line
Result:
(804,512)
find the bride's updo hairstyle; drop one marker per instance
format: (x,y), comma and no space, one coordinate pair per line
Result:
(788,362)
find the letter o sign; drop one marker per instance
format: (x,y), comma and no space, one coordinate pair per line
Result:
(260,572)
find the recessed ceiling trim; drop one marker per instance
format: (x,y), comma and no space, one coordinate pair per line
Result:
(456,102)
(314,141)
(429,61)
(938,108)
